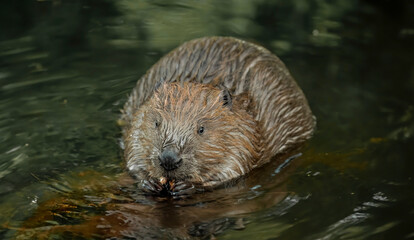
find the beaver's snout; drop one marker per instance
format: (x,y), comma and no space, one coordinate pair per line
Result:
(169,159)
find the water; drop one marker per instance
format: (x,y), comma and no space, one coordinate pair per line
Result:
(66,68)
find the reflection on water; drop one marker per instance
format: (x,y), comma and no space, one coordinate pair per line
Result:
(66,68)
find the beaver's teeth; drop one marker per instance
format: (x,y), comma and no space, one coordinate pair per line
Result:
(163,180)
(172,183)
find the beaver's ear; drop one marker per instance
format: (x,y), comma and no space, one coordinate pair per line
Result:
(226,98)
(158,85)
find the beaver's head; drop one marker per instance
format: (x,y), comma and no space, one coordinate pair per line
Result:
(191,132)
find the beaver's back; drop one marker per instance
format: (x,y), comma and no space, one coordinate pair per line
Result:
(276,101)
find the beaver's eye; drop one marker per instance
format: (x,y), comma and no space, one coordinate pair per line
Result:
(157,124)
(200,130)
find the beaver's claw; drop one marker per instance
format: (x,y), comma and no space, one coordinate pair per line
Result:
(176,190)
(182,189)
(151,186)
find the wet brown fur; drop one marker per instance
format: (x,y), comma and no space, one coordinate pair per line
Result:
(268,116)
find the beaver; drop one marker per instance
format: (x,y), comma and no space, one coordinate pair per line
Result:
(208,113)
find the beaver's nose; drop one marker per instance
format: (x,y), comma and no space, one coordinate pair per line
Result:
(169,160)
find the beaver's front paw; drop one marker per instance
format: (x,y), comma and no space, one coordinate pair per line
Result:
(182,189)
(151,186)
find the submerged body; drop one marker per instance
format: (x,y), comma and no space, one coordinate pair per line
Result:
(209,112)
